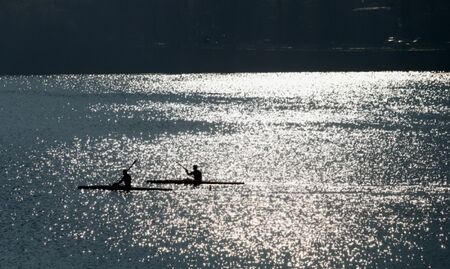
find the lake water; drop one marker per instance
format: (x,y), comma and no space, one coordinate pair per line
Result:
(341,170)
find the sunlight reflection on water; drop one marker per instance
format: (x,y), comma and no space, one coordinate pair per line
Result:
(340,170)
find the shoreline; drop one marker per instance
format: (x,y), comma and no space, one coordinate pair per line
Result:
(218,60)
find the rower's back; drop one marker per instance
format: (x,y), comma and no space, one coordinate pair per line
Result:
(126,179)
(197,174)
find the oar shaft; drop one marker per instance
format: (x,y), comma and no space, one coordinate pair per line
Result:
(182,166)
(132,164)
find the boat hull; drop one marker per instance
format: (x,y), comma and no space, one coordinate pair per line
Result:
(192,182)
(120,188)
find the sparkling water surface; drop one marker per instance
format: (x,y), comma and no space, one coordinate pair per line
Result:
(341,170)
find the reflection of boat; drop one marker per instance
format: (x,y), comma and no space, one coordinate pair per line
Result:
(192,182)
(120,188)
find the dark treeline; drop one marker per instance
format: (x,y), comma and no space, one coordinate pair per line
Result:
(176,36)
(220,23)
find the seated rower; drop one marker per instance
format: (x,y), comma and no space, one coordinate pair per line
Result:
(197,174)
(126,179)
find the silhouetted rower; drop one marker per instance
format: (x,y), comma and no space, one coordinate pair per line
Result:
(197,174)
(126,179)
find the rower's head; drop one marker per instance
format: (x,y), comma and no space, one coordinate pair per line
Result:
(124,171)
(195,167)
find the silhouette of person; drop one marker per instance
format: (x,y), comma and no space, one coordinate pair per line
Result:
(197,174)
(126,179)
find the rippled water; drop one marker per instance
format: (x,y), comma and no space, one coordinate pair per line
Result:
(340,169)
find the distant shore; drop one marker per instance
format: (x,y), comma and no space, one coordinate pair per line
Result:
(217,60)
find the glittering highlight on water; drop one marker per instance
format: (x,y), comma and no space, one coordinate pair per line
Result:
(341,170)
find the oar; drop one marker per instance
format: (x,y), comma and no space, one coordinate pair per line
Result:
(132,164)
(182,166)
(185,169)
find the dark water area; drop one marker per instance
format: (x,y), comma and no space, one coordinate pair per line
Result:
(106,60)
(341,170)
